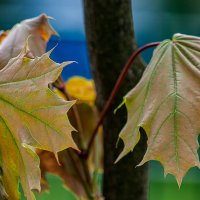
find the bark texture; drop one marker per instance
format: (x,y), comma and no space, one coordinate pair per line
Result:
(110,37)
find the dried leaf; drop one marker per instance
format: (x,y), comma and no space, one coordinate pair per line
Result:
(66,170)
(84,90)
(39,31)
(31,115)
(166,104)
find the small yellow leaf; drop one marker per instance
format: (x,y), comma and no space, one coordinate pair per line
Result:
(82,89)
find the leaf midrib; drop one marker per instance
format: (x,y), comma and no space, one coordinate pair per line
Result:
(175,87)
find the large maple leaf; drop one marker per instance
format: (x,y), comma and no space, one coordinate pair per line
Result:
(166,104)
(31,115)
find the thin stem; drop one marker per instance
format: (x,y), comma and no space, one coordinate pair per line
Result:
(85,169)
(115,90)
(84,184)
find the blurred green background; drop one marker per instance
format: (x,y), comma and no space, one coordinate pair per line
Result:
(57,190)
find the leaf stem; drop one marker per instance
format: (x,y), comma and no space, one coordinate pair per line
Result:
(114,92)
(84,183)
(85,153)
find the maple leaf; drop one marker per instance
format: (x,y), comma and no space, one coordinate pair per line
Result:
(166,104)
(31,115)
(12,42)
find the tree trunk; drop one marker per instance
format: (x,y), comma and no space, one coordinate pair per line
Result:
(110,36)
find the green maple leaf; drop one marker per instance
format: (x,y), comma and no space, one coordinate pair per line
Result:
(166,104)
(31,115)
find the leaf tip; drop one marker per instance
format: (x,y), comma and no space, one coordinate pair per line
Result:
(26,50)
(117,160)
(179,181)
(43,19)
(64,64)
(48,53)
(165,173)
(57,158)
(118,107)
(141,163)
(121,155)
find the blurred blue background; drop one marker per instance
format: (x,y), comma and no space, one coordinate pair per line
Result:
(154,20)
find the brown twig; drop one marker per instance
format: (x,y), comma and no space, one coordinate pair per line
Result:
(85,153)
(114,92)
